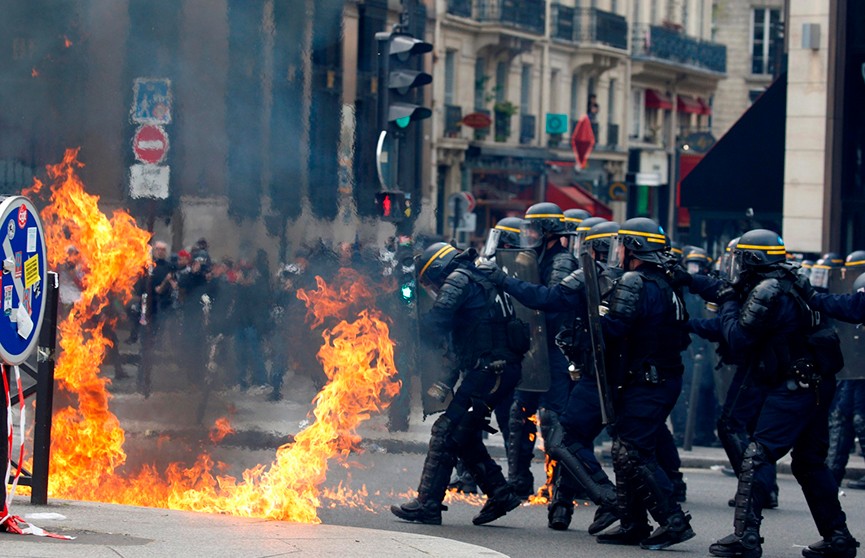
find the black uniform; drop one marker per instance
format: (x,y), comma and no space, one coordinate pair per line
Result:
(774,331)
(479,320)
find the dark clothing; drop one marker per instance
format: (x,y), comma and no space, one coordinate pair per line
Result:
(844,307)
(792,416)
(846,422)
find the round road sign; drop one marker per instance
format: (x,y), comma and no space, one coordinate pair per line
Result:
(150,144)
(23,278)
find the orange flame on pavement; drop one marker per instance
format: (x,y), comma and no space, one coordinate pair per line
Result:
(87,443)
(221,429)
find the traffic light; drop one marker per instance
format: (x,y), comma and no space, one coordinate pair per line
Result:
(400,76)
(392,206)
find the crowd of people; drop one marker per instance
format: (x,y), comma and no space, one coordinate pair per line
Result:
(651,327)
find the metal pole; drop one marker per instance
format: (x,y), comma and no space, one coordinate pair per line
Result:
(45,351)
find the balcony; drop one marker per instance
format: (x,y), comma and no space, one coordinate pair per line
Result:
(589,26)
(524,15)
(656,42)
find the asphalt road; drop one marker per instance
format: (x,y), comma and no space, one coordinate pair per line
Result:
(524,531)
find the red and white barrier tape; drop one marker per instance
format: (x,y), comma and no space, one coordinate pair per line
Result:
(8,522)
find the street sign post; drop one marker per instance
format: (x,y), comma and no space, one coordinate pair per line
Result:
(24,270)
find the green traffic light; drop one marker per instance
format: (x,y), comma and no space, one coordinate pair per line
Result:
(403,122)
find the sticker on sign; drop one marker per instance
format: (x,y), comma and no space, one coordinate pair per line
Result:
(149,181)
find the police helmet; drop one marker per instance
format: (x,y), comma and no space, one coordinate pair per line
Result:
(575,216)
(758,250)
(855,259)
(859,283)
(435,263)
(506,234)
(576,241)
(833,259)
(599,238)
(643,239)
(542,220)
(805,268)
(697,260)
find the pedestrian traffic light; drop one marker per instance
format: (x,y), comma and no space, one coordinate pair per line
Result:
(400,77)
(392,206)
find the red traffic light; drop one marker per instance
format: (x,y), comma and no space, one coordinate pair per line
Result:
(392,206)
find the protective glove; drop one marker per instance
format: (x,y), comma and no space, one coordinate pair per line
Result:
(727,293)
(679,276)
(492,272)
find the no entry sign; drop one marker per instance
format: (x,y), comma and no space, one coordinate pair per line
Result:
(150,144)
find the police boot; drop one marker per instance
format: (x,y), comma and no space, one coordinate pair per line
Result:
(561,507)
(520,450)
(437,467)
(746,545)
(840,544)
(628,533)
(677,529)
(501,502)
(634,521)
(429,513)
(605,516)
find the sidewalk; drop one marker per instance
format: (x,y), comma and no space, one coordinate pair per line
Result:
(109,531)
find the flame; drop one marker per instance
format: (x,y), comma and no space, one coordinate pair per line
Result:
(66,42)
(87,443)
(221,429)
(34,73)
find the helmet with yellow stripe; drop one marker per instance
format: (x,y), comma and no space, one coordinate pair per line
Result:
(855,259)
(434,264)
(543,221)
(574,217)
(758,250)
(600,237)
(506,234)
(642,239)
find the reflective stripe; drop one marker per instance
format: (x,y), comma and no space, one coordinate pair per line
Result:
(509,229)
(651,237)
(573,220)
(600,235)
(559,216)
(758,247)
(853,264)
(444,250)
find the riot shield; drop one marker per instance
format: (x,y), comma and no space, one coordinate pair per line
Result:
(852,335)
(523,265)
(429,374)
(842,283)
(593,300)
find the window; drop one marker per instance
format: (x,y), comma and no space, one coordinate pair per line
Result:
(575,97)
(765,32)
(480,84)
(450,76)
(526,89)
(554,90)
(501,81)
(611,102)
(637,111)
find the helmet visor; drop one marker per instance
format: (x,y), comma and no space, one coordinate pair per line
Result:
(616,255)
(492,243)
(819,277)
(736,266)
(531,234)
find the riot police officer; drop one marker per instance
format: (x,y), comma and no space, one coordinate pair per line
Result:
(574,217)
(543,231)
(645,333)
(774,331)
(488,342)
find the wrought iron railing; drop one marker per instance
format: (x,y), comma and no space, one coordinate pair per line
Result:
(655,41)
(589,25)
(526,15)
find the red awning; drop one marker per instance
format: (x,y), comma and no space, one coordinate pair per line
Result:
(657,100)
(688,105)
(574,197)
(704,106)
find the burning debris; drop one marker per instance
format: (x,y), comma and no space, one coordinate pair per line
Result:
(87,444)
